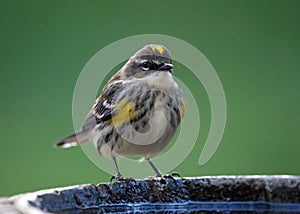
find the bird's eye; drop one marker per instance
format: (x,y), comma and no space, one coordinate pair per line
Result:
(146,65)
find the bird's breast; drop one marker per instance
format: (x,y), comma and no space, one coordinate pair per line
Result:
(160,79)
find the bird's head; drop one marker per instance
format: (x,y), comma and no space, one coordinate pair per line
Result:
(151,60)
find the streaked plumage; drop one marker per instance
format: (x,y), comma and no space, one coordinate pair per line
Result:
(138,111)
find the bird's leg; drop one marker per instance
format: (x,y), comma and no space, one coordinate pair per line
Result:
(156,170)
(159,173)
(118,175)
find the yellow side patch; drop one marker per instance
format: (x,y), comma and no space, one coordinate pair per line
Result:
(125,112)
(159,48)
(183,108)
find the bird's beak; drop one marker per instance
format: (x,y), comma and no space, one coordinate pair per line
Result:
(165,67)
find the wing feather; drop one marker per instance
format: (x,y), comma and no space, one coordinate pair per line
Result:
(101,112)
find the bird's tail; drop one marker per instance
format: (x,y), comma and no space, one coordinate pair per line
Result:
(73,140)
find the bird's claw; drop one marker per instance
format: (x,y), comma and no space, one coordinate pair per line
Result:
(175,174)
(119,177)
(172,175)
(116,177)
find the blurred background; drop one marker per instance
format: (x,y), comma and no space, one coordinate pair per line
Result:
(253,45)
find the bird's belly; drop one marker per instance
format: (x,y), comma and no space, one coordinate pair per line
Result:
(144,138)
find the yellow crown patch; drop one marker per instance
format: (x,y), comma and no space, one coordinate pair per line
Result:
(159,48)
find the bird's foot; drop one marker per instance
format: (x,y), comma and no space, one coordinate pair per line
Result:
(119,177)
(172,175)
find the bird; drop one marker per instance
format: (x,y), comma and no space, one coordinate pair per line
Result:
(138,111)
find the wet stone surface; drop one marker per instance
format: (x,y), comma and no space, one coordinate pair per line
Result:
(282,189)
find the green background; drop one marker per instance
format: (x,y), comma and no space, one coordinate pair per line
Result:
(253,45)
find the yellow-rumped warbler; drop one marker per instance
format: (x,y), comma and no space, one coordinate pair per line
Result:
(138,111)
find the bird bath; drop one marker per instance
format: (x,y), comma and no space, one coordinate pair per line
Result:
(224,194)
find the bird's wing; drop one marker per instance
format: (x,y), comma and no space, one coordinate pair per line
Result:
(103,108)
(102,111)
